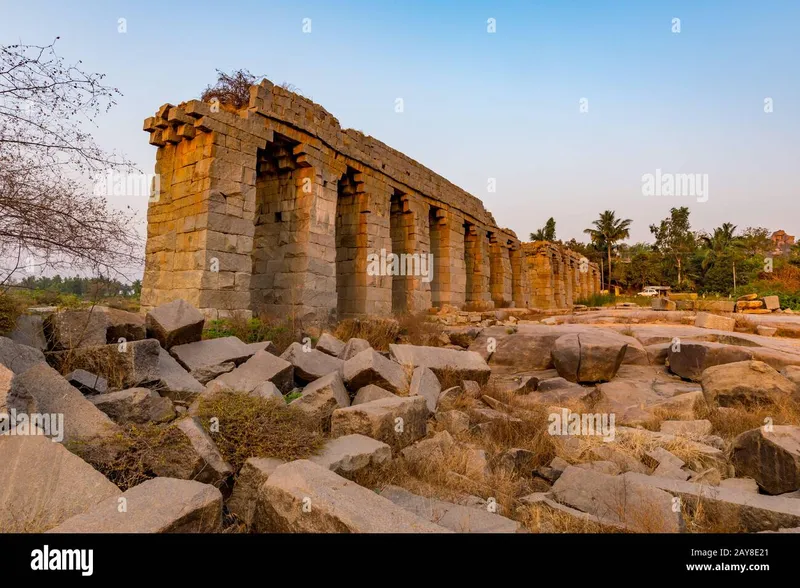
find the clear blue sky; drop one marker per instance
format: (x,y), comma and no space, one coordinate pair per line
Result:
(482,105)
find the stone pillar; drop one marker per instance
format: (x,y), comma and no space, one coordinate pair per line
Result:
(496,271)
(517,279)
(440,235)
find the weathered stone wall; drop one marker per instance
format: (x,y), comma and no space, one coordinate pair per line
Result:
(276,208)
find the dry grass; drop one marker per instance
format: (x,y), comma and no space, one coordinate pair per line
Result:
(732,422)
(542,519)
(743,323)
(10,309)
(251,426)
(127,459)
(380,332)
(105,361)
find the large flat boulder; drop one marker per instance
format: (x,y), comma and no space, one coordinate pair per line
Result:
(310,364)
(201,356)
(352,453)
(398,422)
(18,357)
(260,368)
(457,518)
(303,497)
(746,383)
(588,357)
(42,484)
(370,367)
(689,359)
(175,323)
(618,499)
(100,325)
(771,457)
(445,363)
(160,505)
(748,511)
(321,397)
(43,390)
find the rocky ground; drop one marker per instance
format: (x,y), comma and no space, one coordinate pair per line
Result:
(595,421)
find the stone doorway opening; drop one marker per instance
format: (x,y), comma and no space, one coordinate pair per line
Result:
(275,199)
(351,246)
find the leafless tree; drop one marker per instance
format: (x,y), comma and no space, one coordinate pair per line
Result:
(49,217)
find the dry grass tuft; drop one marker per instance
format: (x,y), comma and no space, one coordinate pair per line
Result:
(128,458)
(380,332)
(731,422)
(250,426)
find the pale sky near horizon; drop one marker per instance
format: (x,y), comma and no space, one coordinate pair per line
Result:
(480,105)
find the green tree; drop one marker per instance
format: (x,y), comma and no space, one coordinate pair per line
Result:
(546,233)
(675,239)
(607,232)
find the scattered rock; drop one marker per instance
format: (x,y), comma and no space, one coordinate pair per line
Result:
(331,345)
(588,357)
(369,393)
(244,498)
(766,331)
(262,367)
(43,484)
(370,367)
(336,504)
(618,498)
(689,359)
(472,389)
(445,363)
(310,364)
(160,505)
(201,355)
(17,357)
(29,331)
(124,365)
(397,422)
(751,512)
(87,382)
(706,320)
(175,323)
(44,390)
(457,518)
(352,453)
(200,460)
(745,383)
(454,421)
(135,405)
(771,458)
(322,396)
(172,381)
(353,347)
(100,325)
(425,383)
(740,484)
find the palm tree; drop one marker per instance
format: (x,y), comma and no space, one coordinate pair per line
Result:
(607,232)
(723,241)
(546,233)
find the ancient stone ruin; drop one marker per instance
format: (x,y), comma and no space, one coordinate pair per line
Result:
(276,208)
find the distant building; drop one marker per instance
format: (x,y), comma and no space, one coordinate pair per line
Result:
(783,242)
